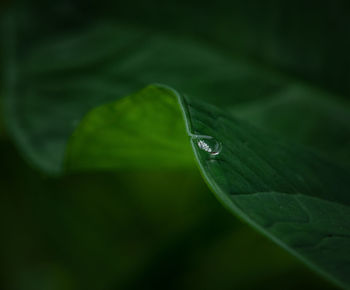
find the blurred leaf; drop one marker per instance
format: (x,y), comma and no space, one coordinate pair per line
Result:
(61,63)
(294,196)
(142,131)
(304,115)
(60,80)
(130,230)
(305,39)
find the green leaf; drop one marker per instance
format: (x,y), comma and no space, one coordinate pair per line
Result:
(304,115)
(287,192)
(141,131)
(131,228)
(57,73)
(294,196)
(56,79)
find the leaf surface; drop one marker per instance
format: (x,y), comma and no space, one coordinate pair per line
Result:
(56,76)
(294,196)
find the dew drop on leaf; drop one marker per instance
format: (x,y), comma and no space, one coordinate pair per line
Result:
(208,144)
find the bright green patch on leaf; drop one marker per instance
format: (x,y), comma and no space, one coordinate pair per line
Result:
(145,130)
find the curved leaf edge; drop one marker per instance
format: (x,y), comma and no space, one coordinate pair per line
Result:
(218,192)
(210,181)
(234,209)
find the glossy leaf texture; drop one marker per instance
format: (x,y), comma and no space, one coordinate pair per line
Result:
(287,192)
(291,194)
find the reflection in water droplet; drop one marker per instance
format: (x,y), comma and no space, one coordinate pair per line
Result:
(208,144)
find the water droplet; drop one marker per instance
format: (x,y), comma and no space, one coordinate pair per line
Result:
(208,144)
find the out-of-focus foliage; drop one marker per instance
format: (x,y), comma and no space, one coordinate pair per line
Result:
(64,58)
(131,230)
(283,66)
